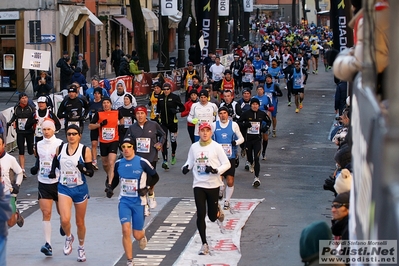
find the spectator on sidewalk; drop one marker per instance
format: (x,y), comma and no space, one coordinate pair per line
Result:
(82,63)
(116,57)
(78,77)
(64,64)
(43,84)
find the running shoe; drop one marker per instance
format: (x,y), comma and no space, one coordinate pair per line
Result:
(243,152)
(274,133)
(81,254)
(20,219)
(24,174)
(173,161)
(300,105)
(68,245)
(256,182)
(326,69)
(296,110)
(62,232)
(264,156)
(129,263)
(204,249)
(246,166)
(165,165)
(47,250)
(226,205)
(251,168)
(152,203)
(289,103)
(143,242)
(146,210)
(95,166)
(221,191)
(314,71)
(221,214)
(329,67)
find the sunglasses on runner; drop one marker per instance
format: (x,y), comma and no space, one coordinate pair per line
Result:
(72,134)
(338,205)
(127,146)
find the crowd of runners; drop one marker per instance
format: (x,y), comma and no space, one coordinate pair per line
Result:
(231,112)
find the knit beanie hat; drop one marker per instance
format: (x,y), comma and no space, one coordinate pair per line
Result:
(343,182)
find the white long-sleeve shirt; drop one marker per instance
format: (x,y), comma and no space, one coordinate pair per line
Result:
(210,155)
(204,113)
(46,149)
(236,130)
(8,163)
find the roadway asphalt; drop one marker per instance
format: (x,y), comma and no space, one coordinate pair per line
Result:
(298,161)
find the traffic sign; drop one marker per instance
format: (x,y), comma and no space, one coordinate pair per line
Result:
(48,37)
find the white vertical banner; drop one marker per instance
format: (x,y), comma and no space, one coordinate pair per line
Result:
(223,8)
(169,7)
(248,5)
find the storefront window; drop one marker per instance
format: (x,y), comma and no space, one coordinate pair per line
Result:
(8,78)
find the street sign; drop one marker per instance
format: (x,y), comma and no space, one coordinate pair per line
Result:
(48,37)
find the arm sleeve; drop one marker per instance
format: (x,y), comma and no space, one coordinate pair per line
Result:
(161,134)
(61,109)
(95,119)
(240,137)
(190,116)
(116,173)
(190,159)
(18,171)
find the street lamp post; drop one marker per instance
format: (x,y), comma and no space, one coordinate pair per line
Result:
(160,65)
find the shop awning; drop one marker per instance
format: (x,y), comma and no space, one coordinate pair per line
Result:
(72,19)
(151,20)
(125,22)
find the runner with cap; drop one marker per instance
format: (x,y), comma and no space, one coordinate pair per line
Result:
(149,137)
(207,160)
(73,109)
(106,122)
(47,188)
(187,78)
(136,175)
(22,112)
(152,103)
(73,159)
(202,111)
(257,122)
(228,134)
(169,104)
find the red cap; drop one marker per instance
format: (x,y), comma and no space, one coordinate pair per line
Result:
(141,108)
(205,125)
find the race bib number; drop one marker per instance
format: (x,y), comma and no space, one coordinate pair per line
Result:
(227,149)
(190,82)
(297,82)
(236,72)
(259,72)
(127,121)
(201,162)
(22,123)
(129,187)
(69,178)
(45,168)
(108,133)
(254,129)
(218,77)
(143,145)
(248,77)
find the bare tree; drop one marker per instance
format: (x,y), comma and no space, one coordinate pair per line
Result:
(140,37)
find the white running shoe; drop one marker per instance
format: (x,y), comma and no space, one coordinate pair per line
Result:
(143,242)
(81,254)
(130,263)
(226,205)
(146,210)
(221,191)
(68,245)
(152,203)
(204,249)
(256,182)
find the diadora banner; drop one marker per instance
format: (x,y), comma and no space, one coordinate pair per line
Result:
(340,15)
(223,8)
(248,5)
(204,24)
(169,7)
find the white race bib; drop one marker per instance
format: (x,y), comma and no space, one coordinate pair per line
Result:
(254,129)
(143,145)
(127,121)
(22,123)
(45,168)
(69,178)
(129,187)
(108,133)
(227,149)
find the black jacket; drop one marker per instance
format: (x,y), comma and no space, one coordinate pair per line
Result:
(168,107)
(259,116)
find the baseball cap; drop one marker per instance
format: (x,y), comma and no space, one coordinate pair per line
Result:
(42,99)
(73,88)
(205,125)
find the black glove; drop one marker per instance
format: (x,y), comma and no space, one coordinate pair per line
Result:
(52,175)
(15,188)
(249,125)
(70,115)
(104,122)
(233,143)
(143,191)
(173,110)
(82,118)
(210,169)
(34,170)
(109,191)
(8,124)
(185,170)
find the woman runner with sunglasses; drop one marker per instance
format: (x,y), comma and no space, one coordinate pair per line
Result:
(74,161)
